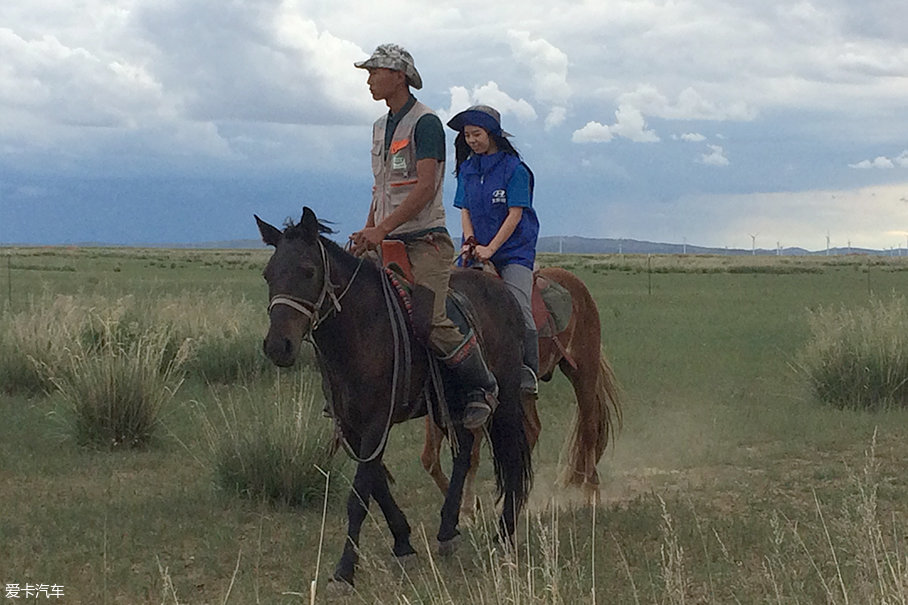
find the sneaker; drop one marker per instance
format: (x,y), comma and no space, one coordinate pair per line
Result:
(529,384)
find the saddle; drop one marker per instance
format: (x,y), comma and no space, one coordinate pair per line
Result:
(552,304)
(417,299)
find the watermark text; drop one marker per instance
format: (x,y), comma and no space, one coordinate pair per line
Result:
(32,591)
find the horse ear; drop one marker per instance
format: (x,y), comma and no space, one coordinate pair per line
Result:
(309,225)
(270,234)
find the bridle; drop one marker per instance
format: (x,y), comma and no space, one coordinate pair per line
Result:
(316,314)
(314,311)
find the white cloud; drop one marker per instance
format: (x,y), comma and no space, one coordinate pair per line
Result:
(255,62)
(690,137)
(549,66)
(108,84)
(489,94)
(71,85)
(555,118)
(879,162)
(690,105)
(882,162)
(592,132)
(629,124)
(715,157)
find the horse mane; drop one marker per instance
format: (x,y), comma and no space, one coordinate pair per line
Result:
(295,230)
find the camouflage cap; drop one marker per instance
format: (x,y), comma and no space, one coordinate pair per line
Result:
(392,56)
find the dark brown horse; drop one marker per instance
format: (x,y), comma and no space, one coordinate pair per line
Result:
(598,412)
(377,374)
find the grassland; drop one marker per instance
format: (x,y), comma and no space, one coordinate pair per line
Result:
(728,483)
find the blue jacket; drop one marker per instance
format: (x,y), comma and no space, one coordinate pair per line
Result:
(487,186)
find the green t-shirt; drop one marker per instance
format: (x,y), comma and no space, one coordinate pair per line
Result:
(428,136)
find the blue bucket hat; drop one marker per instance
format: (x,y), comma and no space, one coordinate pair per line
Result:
(482,116)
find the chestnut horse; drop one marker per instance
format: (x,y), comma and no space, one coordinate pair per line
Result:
(598,413)
(378,374)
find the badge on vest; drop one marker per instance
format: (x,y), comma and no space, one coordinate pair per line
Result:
(500,196)
(398,162)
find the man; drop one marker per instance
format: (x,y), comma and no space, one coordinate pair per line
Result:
(408,159)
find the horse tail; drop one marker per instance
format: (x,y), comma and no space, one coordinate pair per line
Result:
(596,424)
(511,455)
(608,400)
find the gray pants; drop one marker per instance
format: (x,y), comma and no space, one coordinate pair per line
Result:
(519,280)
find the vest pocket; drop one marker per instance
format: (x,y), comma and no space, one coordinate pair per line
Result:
(376,157)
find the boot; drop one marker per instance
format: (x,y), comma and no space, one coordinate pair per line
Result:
(470,367)
(529,384)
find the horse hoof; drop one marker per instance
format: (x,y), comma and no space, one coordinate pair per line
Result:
(447,548)
(407,562)
(403,551)
(339,587)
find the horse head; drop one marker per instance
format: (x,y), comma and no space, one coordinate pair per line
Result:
(297,285)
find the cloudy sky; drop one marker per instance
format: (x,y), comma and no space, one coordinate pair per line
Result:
(715,122)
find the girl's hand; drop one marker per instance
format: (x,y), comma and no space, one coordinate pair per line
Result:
(484,253)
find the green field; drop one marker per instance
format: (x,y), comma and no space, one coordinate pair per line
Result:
(728,483)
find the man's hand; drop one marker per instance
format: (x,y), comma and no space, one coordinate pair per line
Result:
(368,238)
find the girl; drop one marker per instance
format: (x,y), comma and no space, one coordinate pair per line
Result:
(495,197)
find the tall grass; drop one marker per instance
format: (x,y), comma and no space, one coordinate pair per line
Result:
(114,389)
(835,554)
(271,445)
(857,358)
(36,339)
(225,335)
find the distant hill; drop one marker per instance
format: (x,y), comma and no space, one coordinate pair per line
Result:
(572,244)
(586,245)
(569,244)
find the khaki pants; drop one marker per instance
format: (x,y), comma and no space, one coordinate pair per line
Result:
(430,259)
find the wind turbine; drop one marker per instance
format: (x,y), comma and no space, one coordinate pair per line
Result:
(753,243)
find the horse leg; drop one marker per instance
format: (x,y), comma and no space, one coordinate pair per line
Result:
(431,455)
(587,440)
(397,521)
(357,507)
(469,502)
(450,510)
(531,423)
